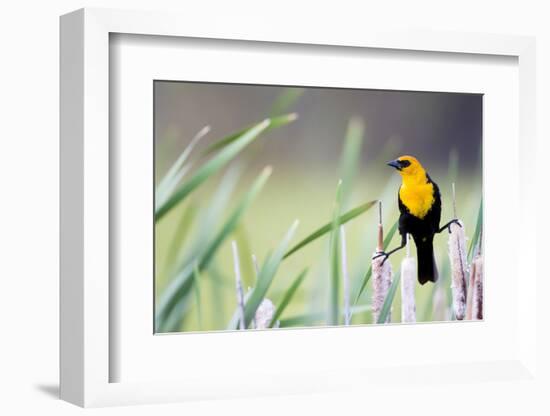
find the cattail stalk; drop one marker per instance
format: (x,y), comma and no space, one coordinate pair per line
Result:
(345,277)
(459,265)
(380,245)
(408,280)
(238,285)
(381,273)
(257,273)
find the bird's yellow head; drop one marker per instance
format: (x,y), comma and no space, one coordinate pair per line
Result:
(407,166)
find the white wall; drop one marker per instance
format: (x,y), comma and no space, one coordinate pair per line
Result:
(29,180)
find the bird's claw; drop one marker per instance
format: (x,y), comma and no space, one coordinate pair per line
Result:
(454,221)
(381,254)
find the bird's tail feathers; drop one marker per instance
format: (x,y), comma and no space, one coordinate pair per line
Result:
(427,268)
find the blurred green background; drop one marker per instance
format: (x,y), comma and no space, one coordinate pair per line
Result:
(443,130)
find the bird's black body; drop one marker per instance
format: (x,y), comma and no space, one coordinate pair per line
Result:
(420,214)
(422,231)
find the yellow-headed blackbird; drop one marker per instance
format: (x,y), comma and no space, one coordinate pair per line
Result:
(420,207)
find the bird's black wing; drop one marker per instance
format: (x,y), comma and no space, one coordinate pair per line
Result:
(433,217)
(422,230)
(406,219)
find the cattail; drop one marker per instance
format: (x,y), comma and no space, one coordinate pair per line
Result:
(477,292)
(470,295)
(238,285)
(345,276)
(477,301)
(381,273)
(264,314)
(474,307)
(408,280)
(459,265)
(457,254)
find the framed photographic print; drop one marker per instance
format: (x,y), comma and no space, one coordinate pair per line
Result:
(267,214)
(204,228)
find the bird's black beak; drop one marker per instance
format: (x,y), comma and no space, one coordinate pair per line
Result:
(394,164)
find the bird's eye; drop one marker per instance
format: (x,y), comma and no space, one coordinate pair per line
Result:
(404,163)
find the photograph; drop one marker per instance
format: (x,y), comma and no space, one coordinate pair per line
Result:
(284,207)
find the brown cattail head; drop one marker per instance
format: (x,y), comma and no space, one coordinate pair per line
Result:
(459,265)
(470,296)
(408,281)
(477,298)
(264,314)
(381,282)
(471,283)
(459,269)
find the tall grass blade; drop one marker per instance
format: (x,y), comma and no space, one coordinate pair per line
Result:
(235,321)
(256,265)
(344,218)
(311,318)
(248,273)
(303,320)
(265,277)
(174,321)
(181,283)
(210,217)
(176,172)
(267,273)
(351,155)
(238,285)
(274,122)
(286,99)
(287,297)
(366,245)
(196,285)
(475,239)
(384,316)
(368,274)
(210,168)
(219,284)
(207,221)
(334,282)
(345,276)
(179,237)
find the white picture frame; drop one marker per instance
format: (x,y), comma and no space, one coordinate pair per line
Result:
(87,356)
